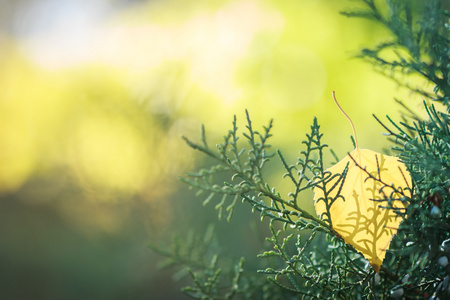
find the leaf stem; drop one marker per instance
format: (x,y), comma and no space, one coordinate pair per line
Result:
(348,118)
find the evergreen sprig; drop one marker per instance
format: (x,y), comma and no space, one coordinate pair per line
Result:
(420,44)
(246,169)
(321,265)
(421,253)
(199,257)
(307,259)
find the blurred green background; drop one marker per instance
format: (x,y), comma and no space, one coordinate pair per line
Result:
(95,96)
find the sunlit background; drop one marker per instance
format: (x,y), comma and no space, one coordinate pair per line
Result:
(95,96)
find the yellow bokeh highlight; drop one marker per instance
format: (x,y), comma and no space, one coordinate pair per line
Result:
(109,152)
(29,110)
(17,157)
(113,114)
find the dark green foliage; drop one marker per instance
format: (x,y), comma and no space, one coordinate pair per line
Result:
(420,43)
(421,46)
(306,258)
(425,148)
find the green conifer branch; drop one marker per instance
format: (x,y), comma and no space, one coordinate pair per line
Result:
(320,265)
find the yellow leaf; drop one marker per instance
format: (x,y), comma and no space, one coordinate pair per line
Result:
(355,201)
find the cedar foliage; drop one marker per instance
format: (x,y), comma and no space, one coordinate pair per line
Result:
(307,258)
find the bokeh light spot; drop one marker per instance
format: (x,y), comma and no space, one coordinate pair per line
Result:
(110,153)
